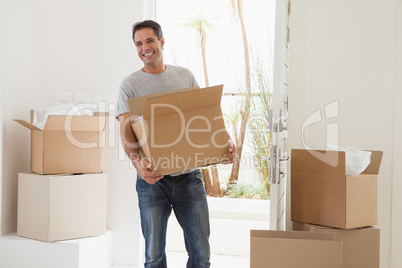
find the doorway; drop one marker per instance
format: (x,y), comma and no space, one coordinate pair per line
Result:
(207,38)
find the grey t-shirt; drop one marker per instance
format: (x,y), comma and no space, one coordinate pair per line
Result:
(141,83)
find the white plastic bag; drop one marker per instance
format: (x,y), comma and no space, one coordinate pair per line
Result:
(356,160)
(41,115)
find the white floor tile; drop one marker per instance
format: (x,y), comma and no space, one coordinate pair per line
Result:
(178,259)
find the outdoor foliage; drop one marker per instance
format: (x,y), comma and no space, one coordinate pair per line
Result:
(261,137)
(231,47)
(242,190)
(257,135)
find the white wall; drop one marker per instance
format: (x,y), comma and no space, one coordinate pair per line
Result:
(1,109)
(347,51)
(70,46)
(396,235)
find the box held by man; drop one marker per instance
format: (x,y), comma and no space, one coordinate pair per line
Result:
(180,129)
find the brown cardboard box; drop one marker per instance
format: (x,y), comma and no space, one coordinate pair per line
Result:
(322,194)
(282,249)
(61,207)
(67,144)
(180,129)
(361,246)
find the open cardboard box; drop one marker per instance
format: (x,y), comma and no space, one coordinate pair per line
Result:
(61,207)
(361,246)
(180,129)
(67,144)
(322,194)
(284,249)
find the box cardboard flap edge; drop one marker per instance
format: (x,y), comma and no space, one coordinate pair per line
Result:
(136,105)
(324,162)
(309,227)
(293,235)
(96,122)
(75,123)
(374,166)
(187,100)
(141,133)
(26,124)
(328,162)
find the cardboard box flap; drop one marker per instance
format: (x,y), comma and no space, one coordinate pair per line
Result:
(318,162)
(293,235)
(141,133)
(188,100)
(136,105)
(31,115)
(75,123)
(101,114)
(374,166)
(26,124)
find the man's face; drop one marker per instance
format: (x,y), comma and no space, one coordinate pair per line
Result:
(149,48)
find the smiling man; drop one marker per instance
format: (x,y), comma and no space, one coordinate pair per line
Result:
(159,194)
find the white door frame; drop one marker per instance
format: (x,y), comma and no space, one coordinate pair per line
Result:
(278,118)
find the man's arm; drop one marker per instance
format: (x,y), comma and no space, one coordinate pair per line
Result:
(144,168)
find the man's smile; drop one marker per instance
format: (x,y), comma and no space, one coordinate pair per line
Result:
(148,54)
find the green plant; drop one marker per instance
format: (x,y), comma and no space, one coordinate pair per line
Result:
(257,136)
(201,24)
(258,124)
(242,190)
(237,10)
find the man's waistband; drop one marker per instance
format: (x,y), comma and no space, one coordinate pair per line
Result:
(181,175)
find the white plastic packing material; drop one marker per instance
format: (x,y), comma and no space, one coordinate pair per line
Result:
(356,160)
(41,115)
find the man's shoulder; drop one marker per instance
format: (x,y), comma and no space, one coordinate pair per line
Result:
(176,68)
(182,74)
(135,74)
(133,78)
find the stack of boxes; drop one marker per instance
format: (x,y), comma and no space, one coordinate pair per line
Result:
(333,216)
(64,196)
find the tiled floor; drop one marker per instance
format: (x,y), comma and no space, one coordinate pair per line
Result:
(179,260)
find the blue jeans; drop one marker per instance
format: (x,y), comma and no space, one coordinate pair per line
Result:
(185,194)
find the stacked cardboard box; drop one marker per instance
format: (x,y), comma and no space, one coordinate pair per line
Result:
(332,216)
(60,207)
(288,249)
(322,194)
(360,246)
(65,195)
(67,144)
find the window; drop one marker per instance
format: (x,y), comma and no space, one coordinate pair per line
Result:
(223,55)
